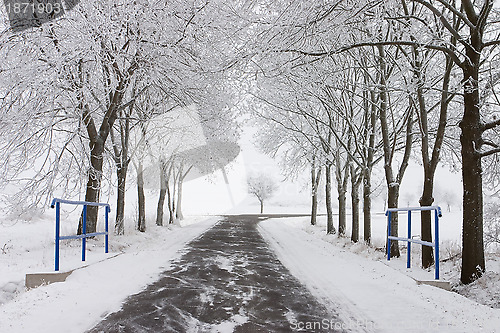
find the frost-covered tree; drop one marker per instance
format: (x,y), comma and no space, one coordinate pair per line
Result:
(262,187)
(80,73)
(473,27)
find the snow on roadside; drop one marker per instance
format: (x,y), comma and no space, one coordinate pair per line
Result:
(92,292)
(372,295)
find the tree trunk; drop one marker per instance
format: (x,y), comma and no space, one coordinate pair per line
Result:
(141,200)
(342,211)
(161,199)
(171,208)
(314,208)
(371,123)
(315,179)
(473,263)
(367,206)
(392,202)
(426,222)
(159,209)
(93,186)
(330,229)
(355,205)
(120,200)
(178,212)
(342,181)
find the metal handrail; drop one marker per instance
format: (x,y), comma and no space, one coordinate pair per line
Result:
(56,203)
(409,240)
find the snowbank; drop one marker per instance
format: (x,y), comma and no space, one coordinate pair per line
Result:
(372,294)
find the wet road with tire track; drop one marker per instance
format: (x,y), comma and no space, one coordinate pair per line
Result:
(226,280)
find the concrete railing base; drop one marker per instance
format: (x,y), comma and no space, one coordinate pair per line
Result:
(436,283)
(37,279)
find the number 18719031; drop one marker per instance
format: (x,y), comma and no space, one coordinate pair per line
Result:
(32,7)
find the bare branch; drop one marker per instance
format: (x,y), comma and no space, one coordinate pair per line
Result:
(445,22)
(490,125)
(444,49)
(492,43)
(490,152)
(468,7)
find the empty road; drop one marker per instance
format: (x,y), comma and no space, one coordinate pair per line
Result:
(226,280)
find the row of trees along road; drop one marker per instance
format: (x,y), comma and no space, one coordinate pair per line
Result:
(348,84)
(79,93)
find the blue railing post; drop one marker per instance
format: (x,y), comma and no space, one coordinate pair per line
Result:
(56,203)
(58,222)
(408,260)
(388,234)
(108,209)
(436,243)
(410,240)
(84,231)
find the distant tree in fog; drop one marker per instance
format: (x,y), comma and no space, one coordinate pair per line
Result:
(263,187)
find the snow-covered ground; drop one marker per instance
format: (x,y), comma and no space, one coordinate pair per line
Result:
(352,277)
(369,292)
(356,277)
(90,292)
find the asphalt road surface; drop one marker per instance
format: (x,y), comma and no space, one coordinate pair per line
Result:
(227,280)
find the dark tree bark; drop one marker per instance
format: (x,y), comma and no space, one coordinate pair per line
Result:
(315,179)
(473,263)
(342,198)
(392,185)
(392,202)
(356,178)
(342,177)
(426,221)
(178,212)
(122,162)
(430,162)
(93,186)
(370,125)
(120,200)
(367,206)
(472,129)
(330,229)
(159,209)
(163,192)
(182,176)
(171,208)
(141,199)
(171,194)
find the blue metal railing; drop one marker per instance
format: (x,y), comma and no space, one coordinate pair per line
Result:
(409,240)
(56,203)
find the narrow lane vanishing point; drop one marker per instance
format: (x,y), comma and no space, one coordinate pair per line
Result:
(227,280)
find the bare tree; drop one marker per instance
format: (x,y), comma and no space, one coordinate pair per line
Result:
(262,187)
